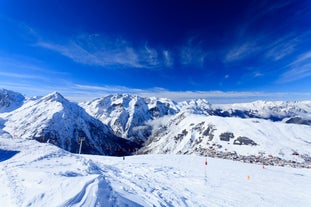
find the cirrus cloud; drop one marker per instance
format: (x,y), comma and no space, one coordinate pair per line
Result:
(98,50)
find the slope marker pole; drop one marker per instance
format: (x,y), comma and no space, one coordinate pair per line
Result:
(81,139)
(205,163)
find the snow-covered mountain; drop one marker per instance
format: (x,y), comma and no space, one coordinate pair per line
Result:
(290,112)
(269,129)
(10,100)
(197,106)
(252,139)
(127,114)
(53,118)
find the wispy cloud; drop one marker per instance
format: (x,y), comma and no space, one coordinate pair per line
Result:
(26,68)
(193,52)
(29,76)
(282,47)
(275,47)
(242,51)
(17,75)
(264,47)
(29,89)
(169,61)
(304,58)
(299,69)
(98,50)
(263,8)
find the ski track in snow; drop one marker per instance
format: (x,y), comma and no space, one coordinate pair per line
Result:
(36,174)
(184,182)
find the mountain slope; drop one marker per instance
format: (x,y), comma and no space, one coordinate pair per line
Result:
(53,118)
(229,137)
(275,111)
(291,112)
(127,114)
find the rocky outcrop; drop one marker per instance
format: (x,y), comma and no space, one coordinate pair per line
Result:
(226,136)
(244,141)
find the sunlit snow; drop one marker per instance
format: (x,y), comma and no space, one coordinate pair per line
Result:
(40,174)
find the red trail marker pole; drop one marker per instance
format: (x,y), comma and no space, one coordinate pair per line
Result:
(205,163)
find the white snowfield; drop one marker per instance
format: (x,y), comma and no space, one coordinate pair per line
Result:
(39,174)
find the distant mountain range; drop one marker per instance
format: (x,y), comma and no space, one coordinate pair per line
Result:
(121,124)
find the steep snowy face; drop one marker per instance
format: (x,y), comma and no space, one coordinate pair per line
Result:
(229,137)
(53,118)
(127,114)
(10,100)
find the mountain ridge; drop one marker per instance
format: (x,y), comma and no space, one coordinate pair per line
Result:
(61,122)
(127,114)
(122,123)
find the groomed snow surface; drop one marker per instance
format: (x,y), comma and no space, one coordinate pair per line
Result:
(38,174)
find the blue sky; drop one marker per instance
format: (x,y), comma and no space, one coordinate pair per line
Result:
(225,51)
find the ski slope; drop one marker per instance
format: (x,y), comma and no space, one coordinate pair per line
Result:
(40,174)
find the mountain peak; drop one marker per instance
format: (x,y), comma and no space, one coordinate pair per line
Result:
(55,96)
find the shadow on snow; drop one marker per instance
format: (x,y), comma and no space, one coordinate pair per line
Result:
(7,154)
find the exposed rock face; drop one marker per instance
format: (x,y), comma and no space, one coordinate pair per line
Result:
(244,141)
(298,120)
(226,136)
(209,132)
